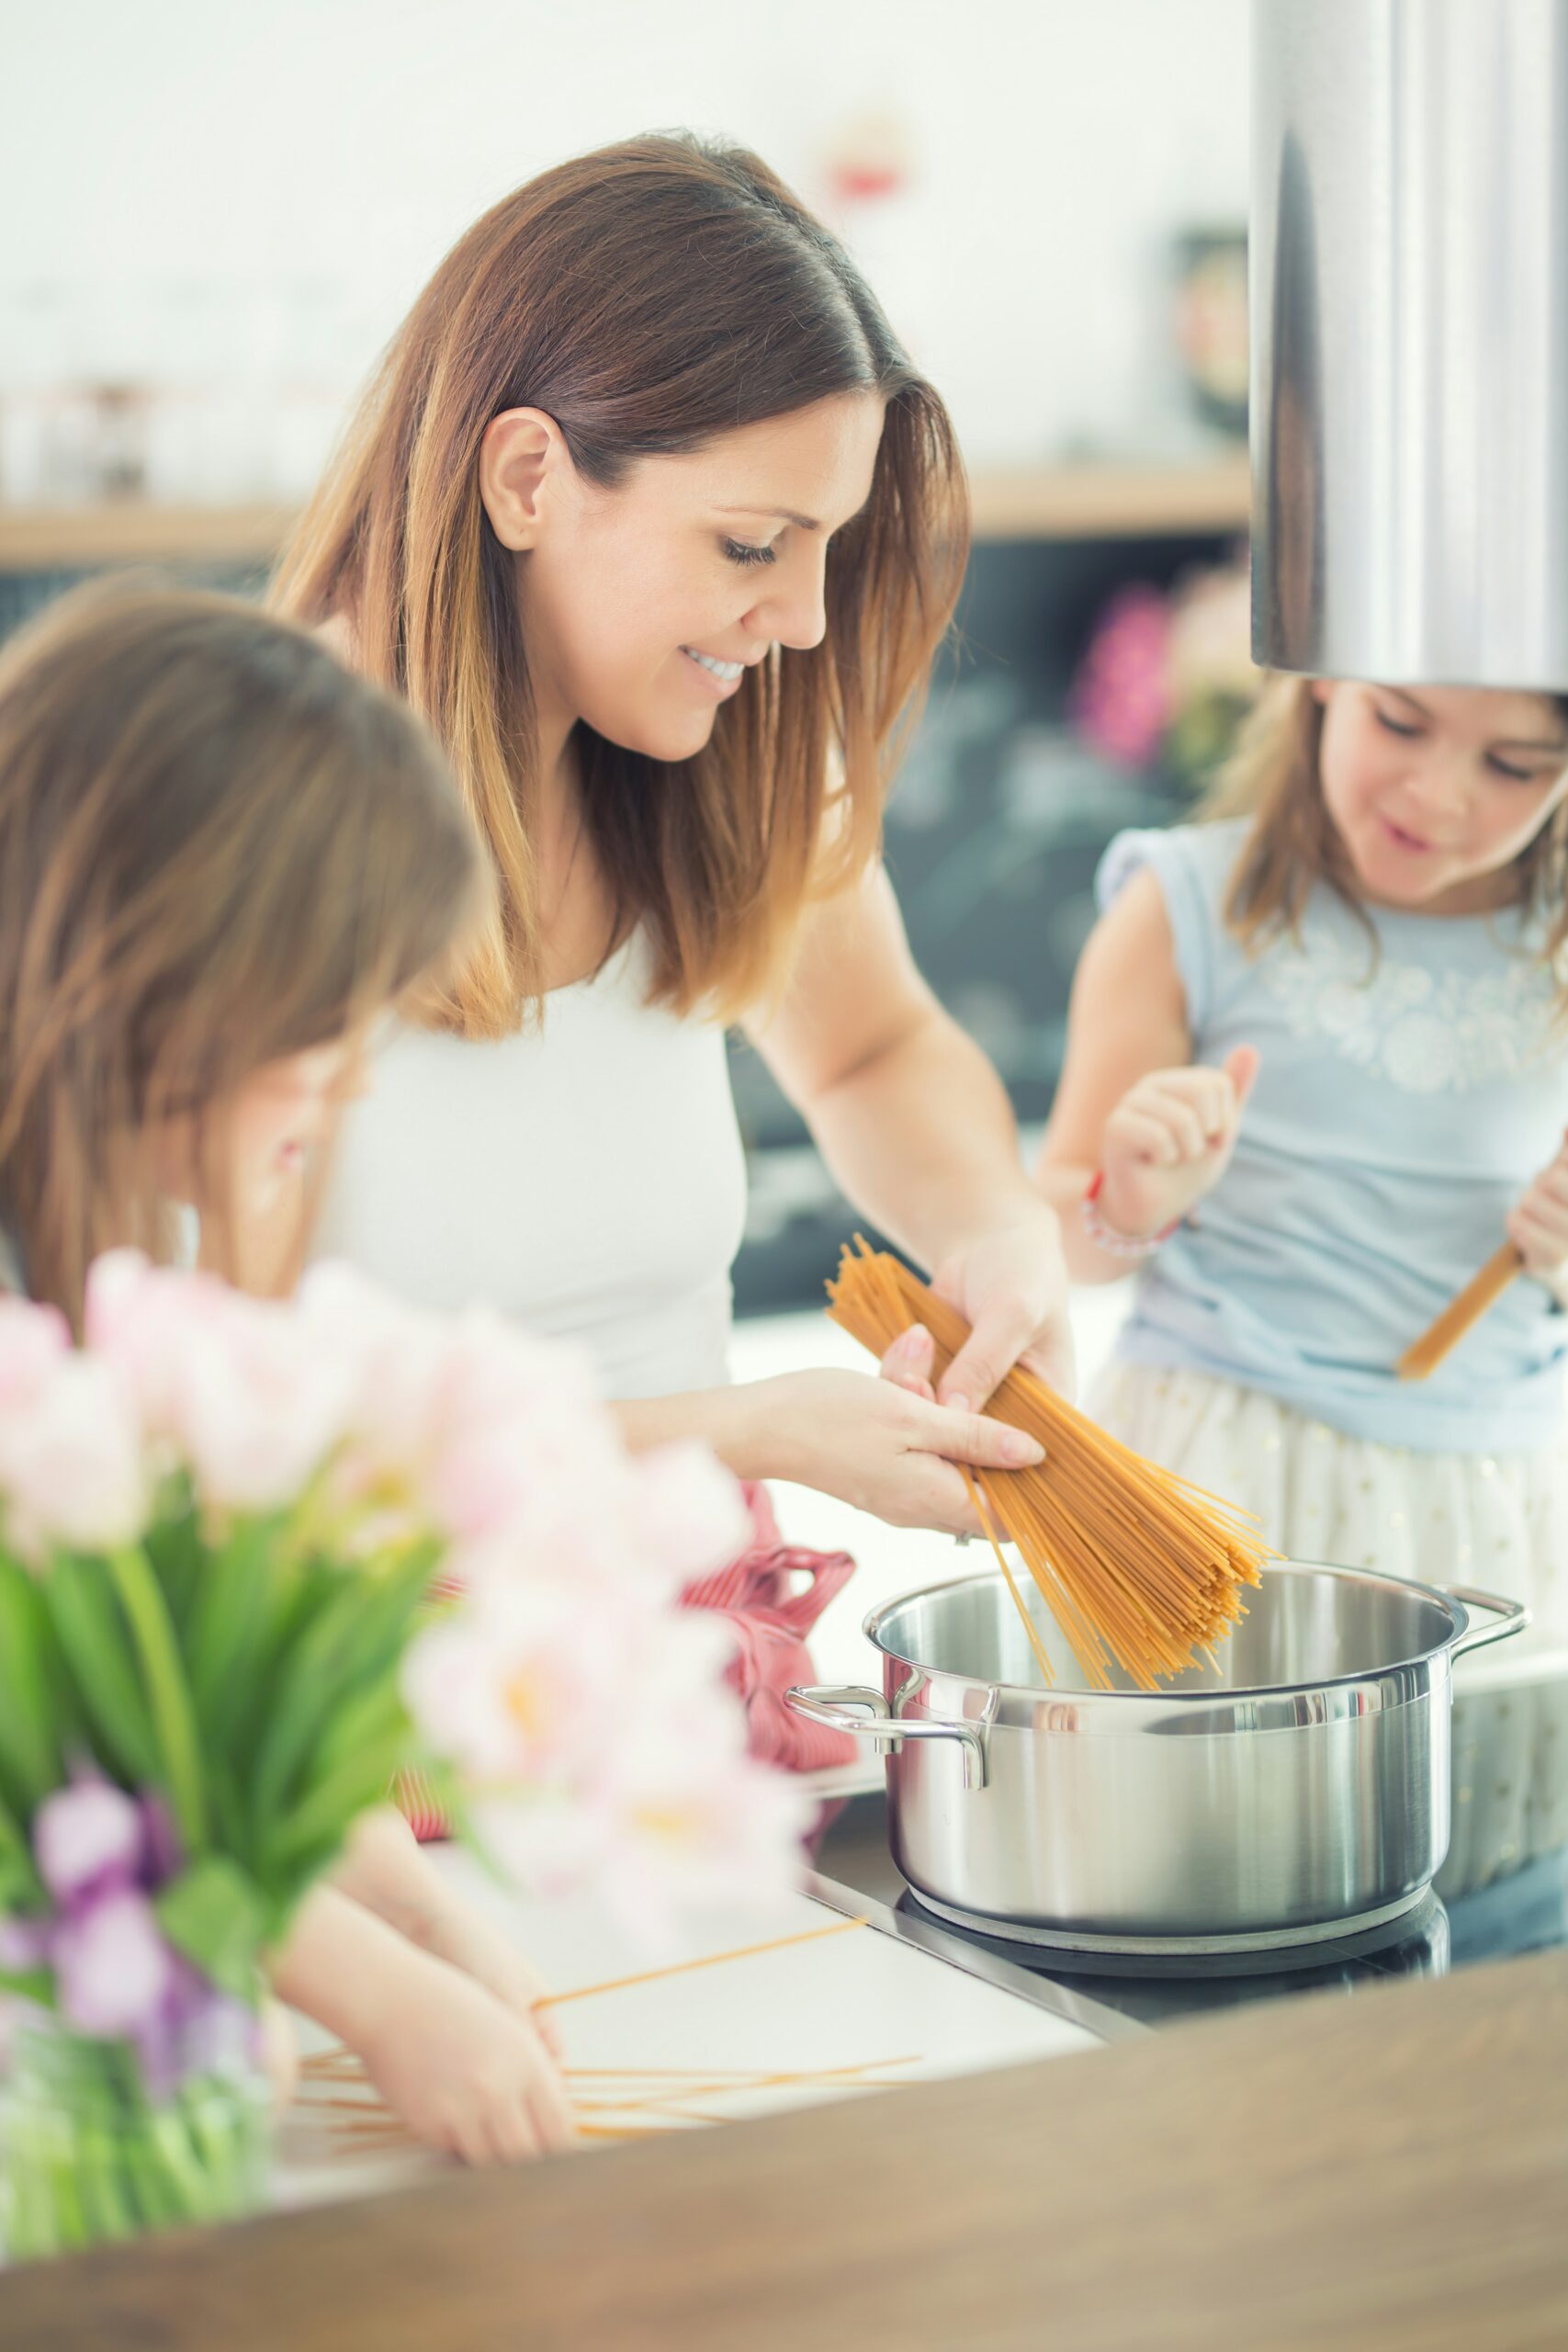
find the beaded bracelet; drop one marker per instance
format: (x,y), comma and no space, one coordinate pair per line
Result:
(1105,1237)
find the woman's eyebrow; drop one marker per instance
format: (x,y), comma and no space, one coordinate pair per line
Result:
(775,515)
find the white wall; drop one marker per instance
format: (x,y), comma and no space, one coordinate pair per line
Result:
(202,175)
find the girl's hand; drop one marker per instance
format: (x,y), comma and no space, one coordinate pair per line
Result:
(467,2074)
(384,1867)
(461,1935)
(882,1448)
(1170,1140)
(1538,1227)
(1011,1287)
(280,2055)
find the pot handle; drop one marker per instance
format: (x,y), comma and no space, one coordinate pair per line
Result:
(1510,1616)
(831,1703)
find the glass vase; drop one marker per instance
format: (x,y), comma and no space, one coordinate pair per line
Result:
(87,2154)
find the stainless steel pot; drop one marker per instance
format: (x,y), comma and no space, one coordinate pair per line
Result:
(1296,1790)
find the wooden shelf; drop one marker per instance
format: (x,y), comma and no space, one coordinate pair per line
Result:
(64,539)
(1112,501)
(1087,502)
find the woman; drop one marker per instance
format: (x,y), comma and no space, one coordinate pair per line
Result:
(652,517)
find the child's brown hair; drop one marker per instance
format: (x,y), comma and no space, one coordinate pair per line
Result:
(218,850)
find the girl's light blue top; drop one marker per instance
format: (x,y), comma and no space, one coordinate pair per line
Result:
(1402,1105)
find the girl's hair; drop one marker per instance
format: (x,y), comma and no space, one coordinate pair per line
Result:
(1292,842)
(648,297)
(217,850)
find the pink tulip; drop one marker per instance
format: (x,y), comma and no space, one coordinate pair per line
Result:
(33,1341)
(484,1431)
(259,1410)
(140,1318)
(678,1831)
(689,1511)
(666,1813)
(238,1388)
(71,1463)
(519,1685)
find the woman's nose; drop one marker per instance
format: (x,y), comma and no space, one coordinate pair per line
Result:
(794,610)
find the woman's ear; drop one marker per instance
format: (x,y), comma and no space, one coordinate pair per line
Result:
(523,454)
(1320,690)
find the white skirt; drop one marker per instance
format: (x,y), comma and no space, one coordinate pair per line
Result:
(1496,1520)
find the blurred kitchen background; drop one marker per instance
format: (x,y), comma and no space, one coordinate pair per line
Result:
(214,215)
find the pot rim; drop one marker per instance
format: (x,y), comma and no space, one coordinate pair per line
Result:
(1172,1694)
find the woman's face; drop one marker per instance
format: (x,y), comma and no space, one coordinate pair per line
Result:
(644,605)
(1436,790)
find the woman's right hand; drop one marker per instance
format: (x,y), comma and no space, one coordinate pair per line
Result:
(1170,1140)
(884,1448)
(465,2072)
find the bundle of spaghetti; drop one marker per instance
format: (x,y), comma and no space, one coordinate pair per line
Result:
(628,2102)
(1140,1569)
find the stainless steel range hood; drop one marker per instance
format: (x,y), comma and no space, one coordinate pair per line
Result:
(1409,244)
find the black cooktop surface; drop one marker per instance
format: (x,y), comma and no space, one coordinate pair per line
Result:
(1526,1912)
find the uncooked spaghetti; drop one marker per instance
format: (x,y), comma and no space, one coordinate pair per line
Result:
(1139,1570)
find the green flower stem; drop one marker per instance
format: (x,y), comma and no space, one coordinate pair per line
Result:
(88,2159)
(107,2208)
(69,2185)
(166,1688)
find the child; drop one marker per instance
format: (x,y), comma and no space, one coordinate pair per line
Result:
(1317,1068)
(220,859)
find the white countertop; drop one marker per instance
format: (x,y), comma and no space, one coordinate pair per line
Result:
(851,1999)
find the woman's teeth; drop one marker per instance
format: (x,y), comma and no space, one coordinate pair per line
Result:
(728,670)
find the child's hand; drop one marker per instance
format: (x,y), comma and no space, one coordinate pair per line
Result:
(385,1869)
(280,2057)
(467,2074)
(460,1934)
(1538,1227)
(1170,1140)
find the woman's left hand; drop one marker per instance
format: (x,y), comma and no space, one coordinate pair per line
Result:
(1011,1286)
(1538,1227)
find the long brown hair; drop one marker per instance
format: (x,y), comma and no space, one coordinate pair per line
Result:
(647,298)
(217,850)
(1291,843)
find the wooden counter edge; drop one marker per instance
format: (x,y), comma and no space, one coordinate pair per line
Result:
(1390,2170)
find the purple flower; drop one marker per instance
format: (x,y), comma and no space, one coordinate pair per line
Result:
(25,1944)
(113,1971)
(89,1840)
(163,1855)
(103,1855)
(195,2030)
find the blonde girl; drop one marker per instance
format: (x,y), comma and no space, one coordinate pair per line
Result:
(1316,1069)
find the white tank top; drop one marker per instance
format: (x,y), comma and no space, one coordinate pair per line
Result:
(586,1177)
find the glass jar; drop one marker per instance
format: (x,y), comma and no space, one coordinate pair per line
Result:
(88,2155)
